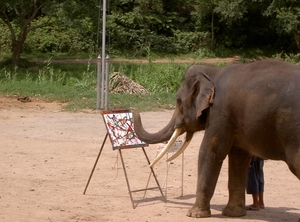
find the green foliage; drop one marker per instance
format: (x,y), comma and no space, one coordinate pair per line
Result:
(231,11)
(21,17)
(158,77)
(204,53)
(286,17)
(133,32)
(201,28)
(261,23)
(76,84)
(143,102)
(4,38)
(288,20)
(291,58)
(61,35)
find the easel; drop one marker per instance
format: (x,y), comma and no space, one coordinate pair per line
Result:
(119,125)
(173,149)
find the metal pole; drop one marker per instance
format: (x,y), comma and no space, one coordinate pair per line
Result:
(99,89)
(98,27)
(107,82)
(103,48)
(102,84)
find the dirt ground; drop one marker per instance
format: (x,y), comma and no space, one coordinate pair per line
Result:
(228,60)
(46,157)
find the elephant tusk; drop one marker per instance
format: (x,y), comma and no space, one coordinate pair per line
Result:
(167,147)
(183,147)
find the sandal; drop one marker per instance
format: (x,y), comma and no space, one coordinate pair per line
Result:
(251,207)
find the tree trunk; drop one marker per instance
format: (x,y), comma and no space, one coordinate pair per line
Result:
(16,52)
(297,38)
(17,47)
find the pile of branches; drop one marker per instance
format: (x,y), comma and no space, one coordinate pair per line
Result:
(122,84)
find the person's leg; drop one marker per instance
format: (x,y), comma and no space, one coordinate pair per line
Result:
(252,186)
(261,200)
(255,204)
(261,184)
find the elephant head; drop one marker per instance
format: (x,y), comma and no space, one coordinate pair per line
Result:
(192,100)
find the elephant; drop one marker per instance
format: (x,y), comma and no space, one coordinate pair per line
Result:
(245,110)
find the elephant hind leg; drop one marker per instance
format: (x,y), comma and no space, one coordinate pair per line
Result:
(293,161)
(238,167)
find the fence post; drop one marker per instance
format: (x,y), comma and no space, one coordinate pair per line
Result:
(107,81)
(99,89)
(102,82)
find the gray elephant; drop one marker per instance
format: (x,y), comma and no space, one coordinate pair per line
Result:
(245,109)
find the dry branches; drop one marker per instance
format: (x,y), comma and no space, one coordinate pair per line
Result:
(122,84)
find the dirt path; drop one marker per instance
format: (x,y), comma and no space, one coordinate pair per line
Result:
(188,60)
(46,156)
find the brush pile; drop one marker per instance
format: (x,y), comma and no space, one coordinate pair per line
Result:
(118,83)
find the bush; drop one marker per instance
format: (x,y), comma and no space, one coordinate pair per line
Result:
(60,35)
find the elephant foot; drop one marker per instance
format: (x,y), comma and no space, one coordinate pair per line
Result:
(196,212)
(234,211)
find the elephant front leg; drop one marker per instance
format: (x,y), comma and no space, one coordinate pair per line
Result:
(208,172)
(238,167)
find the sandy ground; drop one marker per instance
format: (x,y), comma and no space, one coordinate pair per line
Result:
(46,157)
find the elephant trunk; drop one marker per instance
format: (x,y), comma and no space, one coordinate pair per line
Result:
(169,131)
(151,138)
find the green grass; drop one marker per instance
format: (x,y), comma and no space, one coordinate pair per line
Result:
(75,84)
(78,98)
(142,102)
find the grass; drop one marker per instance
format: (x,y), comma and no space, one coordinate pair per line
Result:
(75,84)
(142,102)
(79,98)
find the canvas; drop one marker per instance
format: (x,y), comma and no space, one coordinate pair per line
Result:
(120,127)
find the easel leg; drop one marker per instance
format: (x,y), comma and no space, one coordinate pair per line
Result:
(153,173)
(125,173)
(88,182)
(182,172)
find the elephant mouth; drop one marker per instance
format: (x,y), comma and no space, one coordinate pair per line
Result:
(176,134)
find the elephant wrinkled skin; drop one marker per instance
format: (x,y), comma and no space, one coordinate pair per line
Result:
(245,109)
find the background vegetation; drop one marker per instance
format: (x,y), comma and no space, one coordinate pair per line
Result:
(167,27)
(61,29)
(75,84)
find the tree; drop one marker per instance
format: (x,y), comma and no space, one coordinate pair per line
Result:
(205,10)
(286,14)
(242,24)
(18,16)
(272,18)
(153,25)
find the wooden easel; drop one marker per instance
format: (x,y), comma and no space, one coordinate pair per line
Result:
(119,122)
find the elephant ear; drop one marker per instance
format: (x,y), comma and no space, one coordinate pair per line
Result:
(205,93)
